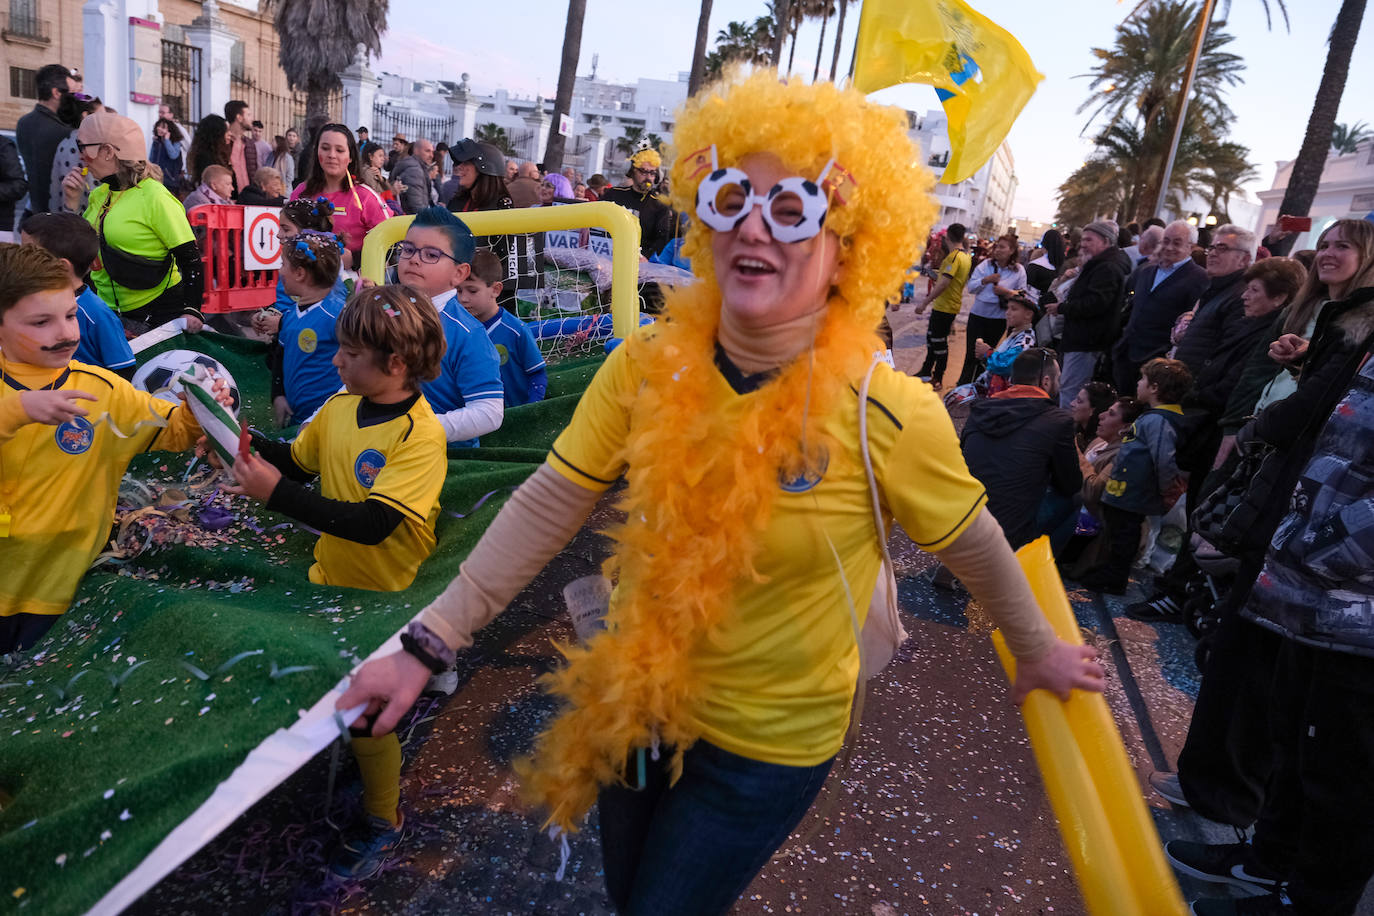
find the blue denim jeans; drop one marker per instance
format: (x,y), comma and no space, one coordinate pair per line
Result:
(694,847)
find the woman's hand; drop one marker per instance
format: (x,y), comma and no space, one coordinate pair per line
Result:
(194,325)
(281,411)
(991,278)
(981,348)
(256,478)
(1007,293)
(389,686)
(1288,349)
(73,186)
(54,408)
(1064,668)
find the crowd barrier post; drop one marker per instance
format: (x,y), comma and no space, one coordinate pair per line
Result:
(228,287)
(620,223)
(1107,830)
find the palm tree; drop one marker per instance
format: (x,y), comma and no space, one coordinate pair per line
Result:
(496,135)
(1346,138)
(780,13)
(319,39)
(567,76)
(1228,168)
(827,10)
(1321,124)
(653,141)
(630,142)
(699,49)
(839,38)
(1139,74)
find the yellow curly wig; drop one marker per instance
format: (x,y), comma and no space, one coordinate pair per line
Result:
(701,489)
(647,158)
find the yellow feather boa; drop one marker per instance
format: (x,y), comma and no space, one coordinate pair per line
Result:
(700,495)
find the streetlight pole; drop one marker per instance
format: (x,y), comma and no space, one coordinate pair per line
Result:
(1204,22)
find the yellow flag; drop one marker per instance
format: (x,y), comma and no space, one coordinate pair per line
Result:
(980,72)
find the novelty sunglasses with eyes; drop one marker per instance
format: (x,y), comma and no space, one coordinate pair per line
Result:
(794,209)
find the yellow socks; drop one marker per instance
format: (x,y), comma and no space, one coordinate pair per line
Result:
(379,759)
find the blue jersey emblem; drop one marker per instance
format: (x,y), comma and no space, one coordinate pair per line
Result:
(369,464)
(809,476)
(75,436)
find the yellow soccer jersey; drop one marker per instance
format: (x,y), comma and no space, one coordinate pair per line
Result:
(780,673)
(957,265)
(401,461)
(58,484)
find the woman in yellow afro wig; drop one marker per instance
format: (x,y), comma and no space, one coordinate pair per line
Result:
(704,719)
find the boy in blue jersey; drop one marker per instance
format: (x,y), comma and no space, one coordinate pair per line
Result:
(467,397)
(523,372)
(73,240)
(304,324)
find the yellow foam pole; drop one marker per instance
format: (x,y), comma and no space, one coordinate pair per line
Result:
(1107,830)
(622,225)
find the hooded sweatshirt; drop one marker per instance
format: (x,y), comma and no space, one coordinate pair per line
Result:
(1017,443)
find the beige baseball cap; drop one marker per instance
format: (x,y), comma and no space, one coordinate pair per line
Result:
(116,131)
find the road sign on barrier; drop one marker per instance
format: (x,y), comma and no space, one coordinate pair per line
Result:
(261,247)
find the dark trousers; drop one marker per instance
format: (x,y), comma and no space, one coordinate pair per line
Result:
(694,847)
(937,346)
(1318,817)
(987,329)
(1124,533)
(21,631)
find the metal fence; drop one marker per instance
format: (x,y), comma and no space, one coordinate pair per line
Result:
(278,113)
(181,81)
(388,121)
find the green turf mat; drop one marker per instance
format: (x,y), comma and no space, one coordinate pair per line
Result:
(168,670)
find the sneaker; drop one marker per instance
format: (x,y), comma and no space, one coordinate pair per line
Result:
(445,682)
(1268,905)
(1223,863)
(366,847)
(1159,609)
(1166,786)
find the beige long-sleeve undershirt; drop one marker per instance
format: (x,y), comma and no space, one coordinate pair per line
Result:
(548,509)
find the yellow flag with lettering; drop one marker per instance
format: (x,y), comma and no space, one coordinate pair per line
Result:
(980,72)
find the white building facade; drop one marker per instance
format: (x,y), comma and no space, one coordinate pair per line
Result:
(1346,192)
(984,201)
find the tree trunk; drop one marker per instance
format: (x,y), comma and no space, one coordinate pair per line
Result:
(820,45)
(839,38)
(792,52)
(567,74)
(699,53)
(1307,169)
(782,12)
(316,108)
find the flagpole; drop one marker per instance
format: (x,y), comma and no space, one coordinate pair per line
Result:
(1204,22)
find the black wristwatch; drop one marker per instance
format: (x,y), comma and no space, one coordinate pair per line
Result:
(434,663)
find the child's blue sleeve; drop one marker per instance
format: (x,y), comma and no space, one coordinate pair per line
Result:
(533,362)
(539,384)
(102,336)
(478,369)
(999,361)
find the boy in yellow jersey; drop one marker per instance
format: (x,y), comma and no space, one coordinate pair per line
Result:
(381,456)
(947,298)
(67,434)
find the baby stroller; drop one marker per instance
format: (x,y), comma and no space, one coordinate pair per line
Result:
(1204,593)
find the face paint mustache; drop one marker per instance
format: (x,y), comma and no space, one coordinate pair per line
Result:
(61,345)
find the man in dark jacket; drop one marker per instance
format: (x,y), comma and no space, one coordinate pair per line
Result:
(1020,446)
(657,226)
(413,172)
(1092,306)
(1156,294)
(40,131)
(13,187)
(1221,335)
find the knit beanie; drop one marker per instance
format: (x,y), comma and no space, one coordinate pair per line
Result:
(1106,228)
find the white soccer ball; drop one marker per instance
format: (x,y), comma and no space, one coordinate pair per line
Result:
(161,375)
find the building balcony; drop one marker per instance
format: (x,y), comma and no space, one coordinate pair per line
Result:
(25,29)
